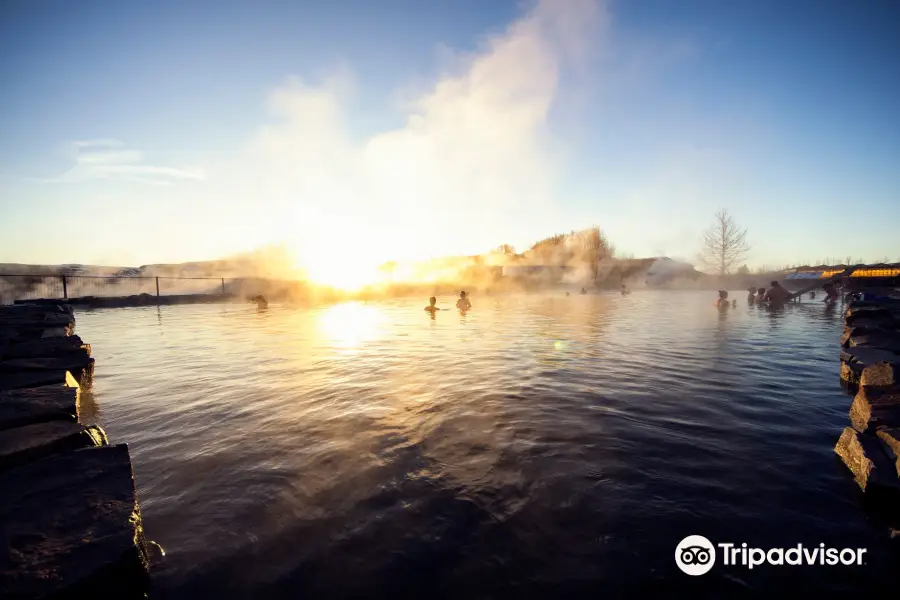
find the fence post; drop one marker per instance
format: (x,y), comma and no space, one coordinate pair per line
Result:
(65,288)
(223,286)
(157,287)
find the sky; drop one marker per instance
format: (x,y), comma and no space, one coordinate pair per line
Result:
(357,132)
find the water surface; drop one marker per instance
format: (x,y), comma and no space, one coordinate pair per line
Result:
(539,446)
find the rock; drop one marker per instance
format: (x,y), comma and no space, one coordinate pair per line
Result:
(81,366)
(55,332)
(47,347)
(37,320)
(37,405)
(75,361)
(25,444)
(12,381)
(858,358)
(874,407)
(883,341)
(864,456)
(881,374)
(849,375)
(70,526)
(890,437)
(863,330)
(876,314)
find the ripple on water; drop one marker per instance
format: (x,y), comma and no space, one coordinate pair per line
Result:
(539,446)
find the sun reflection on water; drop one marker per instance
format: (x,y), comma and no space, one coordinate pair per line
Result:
(348,325)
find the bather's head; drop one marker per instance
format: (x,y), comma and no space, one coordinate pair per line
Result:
(774,284)
(462,295)
(432,301)
(723,294)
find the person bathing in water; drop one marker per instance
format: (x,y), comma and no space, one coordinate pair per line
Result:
(831,294)
(463,302)
(260,300)
(777,295)
(722,301)
(751,295)
(761,295)
(431,308)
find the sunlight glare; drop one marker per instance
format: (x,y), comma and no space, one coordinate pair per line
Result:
(350,324)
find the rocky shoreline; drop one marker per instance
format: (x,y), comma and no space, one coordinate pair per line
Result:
(870,367)
(70,523)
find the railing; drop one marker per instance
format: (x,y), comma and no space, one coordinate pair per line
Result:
(62,287)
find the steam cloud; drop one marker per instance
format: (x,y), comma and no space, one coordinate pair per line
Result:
(474,159)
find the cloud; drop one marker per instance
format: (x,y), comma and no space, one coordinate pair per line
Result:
(112,159)
(474,158)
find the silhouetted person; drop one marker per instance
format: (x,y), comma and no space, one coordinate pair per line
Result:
(583,291)
(812,295)
(831,294)
(625,290)
(777,295)
(463,303)
(734,303)
(722,300)
(761,294)
(261,302)
(431,308)
(751,294)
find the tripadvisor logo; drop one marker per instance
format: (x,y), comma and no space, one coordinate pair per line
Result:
(696,555)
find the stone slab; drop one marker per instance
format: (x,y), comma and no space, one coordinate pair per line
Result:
(890,437)
(75,361)
(37,405)
(856,359)
(864,455)
(875,407)
(60,346)
(52,332)
(32,442)
(70,526)
(862,330)
(876,314)
(881,375)
(12,381)
(885,341)
(37,320)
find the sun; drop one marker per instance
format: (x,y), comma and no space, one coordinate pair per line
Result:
(345,268)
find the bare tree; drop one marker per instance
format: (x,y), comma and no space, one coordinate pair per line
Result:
(724,244)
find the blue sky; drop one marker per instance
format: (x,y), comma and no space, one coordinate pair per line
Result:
(153,132)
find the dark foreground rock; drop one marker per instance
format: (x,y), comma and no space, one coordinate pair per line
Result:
(882,375)
(861,331)
(37,405)
(875,407)
(22,445)
(79,364)
(12,381)
(58,346)
(890,437)
(70,527)
(854,360)
(859,315)
(873,471)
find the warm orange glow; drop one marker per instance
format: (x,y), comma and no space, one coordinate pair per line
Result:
(350,324)
(876,273)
